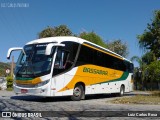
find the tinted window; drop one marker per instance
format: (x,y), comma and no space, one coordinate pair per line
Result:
(86,56)
(91,56)
(65,57)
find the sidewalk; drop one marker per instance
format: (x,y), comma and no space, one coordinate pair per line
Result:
(5,93)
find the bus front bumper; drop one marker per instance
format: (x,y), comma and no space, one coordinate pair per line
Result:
(38,91)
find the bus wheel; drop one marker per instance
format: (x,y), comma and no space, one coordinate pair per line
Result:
(78,92)
(121,91)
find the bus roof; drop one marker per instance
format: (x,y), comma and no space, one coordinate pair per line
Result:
(60,39)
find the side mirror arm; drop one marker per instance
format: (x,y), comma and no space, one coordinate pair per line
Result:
(13,49)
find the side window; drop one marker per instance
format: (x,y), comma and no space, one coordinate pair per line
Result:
(99,59)
(91,56)
(72,48)
(129,66)
(65,57)
(120,65)
(109,61)
(86,56)
(61,59)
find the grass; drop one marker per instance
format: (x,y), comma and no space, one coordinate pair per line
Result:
(153,99)
(9,89)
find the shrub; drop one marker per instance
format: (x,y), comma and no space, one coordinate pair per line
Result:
(9,82)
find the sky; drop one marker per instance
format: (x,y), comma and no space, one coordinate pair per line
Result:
(22,20)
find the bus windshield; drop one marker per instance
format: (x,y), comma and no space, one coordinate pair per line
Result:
(33,62)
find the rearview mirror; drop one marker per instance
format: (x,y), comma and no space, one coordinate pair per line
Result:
(13,49)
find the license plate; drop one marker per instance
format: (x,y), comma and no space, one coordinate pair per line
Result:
(24,90)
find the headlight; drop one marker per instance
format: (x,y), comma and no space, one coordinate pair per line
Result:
(42,83)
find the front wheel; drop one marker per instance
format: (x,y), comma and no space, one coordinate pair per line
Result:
(78,92)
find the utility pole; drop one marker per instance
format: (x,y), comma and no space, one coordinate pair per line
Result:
(12,66)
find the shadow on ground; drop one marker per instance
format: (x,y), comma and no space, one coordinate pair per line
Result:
(62,99)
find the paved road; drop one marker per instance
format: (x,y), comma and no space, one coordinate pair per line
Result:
(12,102)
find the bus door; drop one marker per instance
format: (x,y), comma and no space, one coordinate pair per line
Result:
(59,70)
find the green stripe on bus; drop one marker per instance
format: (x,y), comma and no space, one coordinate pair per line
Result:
(123,77)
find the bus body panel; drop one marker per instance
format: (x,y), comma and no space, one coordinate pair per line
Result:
(96,79)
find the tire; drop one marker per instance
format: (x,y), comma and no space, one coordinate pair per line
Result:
(78,92)
(121,93)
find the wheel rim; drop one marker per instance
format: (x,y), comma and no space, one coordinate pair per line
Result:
(77,92)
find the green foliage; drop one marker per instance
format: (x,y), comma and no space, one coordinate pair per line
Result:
(9,81)
(61,30)
(150,39)
(142,75)
(48,32)
(138,60)
(93,37)
(118,47)
(137,78)
(3,67)
(139,73)
(153,71)
(9,89)
(148,57)
(148,74)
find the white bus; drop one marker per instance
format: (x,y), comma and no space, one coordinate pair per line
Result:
(70,66)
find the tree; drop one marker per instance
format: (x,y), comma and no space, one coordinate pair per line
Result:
(93,37)
(3,67)
(148,57)
(61,30)
(118,47)
(138,60)
(138,72)
(150,39)
(47,32)
(153,73)
(141,74)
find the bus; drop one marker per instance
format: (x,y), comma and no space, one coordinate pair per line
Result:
(70,66)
